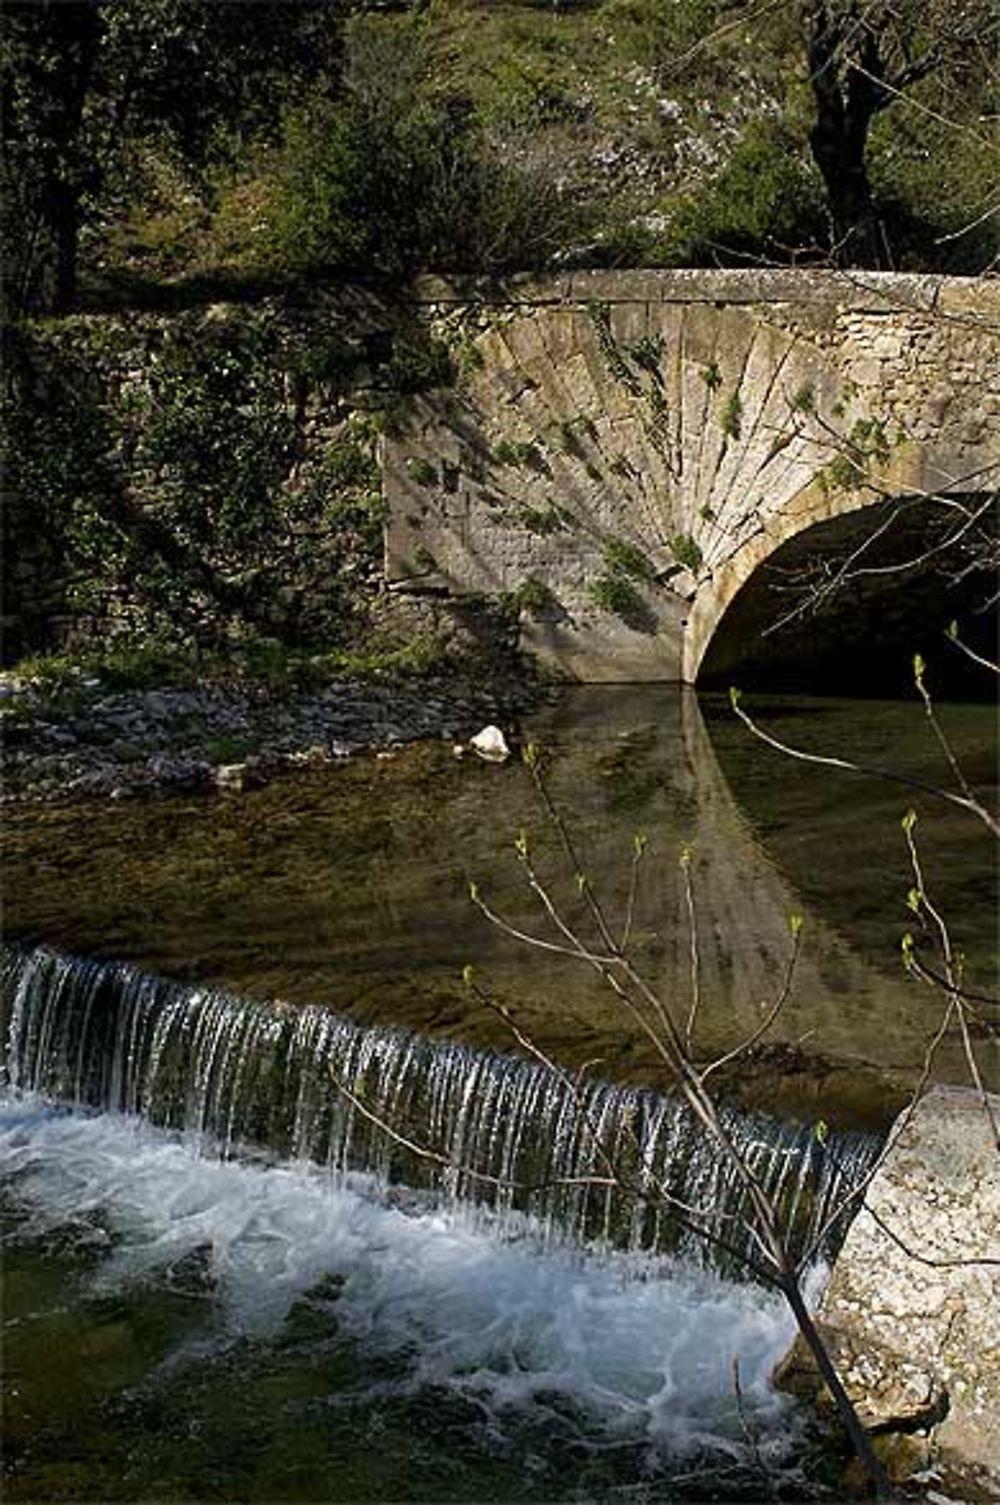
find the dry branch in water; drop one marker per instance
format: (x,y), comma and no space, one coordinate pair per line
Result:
(672,1032)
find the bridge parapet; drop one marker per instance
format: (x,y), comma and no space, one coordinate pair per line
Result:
(622,450)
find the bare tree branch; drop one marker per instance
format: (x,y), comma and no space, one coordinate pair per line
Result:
(967,1262)
(977,658)
(823,760)
(922,904)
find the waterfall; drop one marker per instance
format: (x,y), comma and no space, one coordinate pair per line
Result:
(258,1079)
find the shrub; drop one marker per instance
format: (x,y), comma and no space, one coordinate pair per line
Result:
(686,551)
(766,200)
(316,215)
(624,559)
(545,520)
(612,592)
(517,453)
(534,596)
(731,418)
(421,471)
(400,173)
(932,180)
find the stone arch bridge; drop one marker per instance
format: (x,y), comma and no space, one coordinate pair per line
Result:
(624,450)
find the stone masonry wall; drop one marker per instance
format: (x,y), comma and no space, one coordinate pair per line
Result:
(622,450)
(195,476)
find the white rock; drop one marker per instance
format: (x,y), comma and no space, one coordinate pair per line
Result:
(491,744)
(912,1312)
(231,776)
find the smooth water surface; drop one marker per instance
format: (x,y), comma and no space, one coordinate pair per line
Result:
(349,887)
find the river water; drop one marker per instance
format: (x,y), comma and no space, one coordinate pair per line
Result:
(183,1329)
(349,887)
(180,1327)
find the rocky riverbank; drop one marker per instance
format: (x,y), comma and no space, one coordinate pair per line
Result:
(89,743)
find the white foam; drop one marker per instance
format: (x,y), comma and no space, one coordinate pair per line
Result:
(643,1346)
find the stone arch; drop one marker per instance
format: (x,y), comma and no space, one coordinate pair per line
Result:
(632,446)
(914,472)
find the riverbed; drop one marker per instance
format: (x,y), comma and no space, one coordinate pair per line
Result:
(348,885)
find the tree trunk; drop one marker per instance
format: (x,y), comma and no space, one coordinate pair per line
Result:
(62,212)
(838,147)
(847,99)
(70,35)
(860,1440)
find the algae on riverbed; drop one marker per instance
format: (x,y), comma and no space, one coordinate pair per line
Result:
(347,886)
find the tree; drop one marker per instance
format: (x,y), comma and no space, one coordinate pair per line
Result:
(83,77)
(862,56)
(830,72)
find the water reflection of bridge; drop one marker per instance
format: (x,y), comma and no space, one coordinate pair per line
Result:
(843,1008)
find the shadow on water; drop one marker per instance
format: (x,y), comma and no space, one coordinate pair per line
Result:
(193,1330)
(349,887)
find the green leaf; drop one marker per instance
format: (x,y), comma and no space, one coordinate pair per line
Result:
(468,973)
(795,924)
(735,696)
(909,820)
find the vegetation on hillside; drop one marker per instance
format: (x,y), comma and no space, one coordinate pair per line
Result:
(166,152)
(168,142)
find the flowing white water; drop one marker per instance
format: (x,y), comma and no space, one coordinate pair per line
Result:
(244,1076)
(641,1348)
(176,1135)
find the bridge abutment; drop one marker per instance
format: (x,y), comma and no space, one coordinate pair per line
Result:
(622,451)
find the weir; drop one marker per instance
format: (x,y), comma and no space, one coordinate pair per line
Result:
(259,1079)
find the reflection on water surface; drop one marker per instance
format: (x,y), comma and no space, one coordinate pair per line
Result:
(349,886)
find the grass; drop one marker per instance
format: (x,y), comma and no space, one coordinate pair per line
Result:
(127,667)
(60,677)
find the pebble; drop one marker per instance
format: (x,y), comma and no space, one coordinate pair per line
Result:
(114,746)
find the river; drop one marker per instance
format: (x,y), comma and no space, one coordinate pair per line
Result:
(180,1326)
(349,887)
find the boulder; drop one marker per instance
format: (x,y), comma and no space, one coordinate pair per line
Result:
(911,1314)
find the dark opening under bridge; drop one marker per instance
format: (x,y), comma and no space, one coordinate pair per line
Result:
(625,450)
